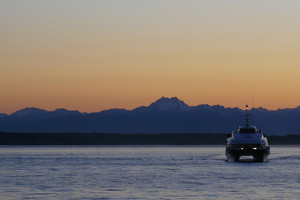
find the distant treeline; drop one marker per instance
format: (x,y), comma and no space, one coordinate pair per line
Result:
(128,139)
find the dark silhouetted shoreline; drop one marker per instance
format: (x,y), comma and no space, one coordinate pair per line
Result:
(129,139)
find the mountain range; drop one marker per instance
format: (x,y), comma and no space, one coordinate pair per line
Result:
(166,115)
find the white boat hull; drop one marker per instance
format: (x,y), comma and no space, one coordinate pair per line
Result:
(259,154)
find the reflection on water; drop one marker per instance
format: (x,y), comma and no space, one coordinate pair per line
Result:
(145,172)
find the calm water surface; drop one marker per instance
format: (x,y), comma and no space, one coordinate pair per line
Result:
(145,172)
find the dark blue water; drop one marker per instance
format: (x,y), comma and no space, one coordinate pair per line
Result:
(143,172)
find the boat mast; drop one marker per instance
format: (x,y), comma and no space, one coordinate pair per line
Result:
(247,117)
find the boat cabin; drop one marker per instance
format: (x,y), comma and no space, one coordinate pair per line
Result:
(248,129)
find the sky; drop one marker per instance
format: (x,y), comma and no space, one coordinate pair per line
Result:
(93,55)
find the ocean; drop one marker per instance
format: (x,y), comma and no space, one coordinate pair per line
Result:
(145,172)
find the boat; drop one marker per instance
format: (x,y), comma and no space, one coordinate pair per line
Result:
(247,141)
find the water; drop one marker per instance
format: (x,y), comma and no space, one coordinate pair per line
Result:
(145,172)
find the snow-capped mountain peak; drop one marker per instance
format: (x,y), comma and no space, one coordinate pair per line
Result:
(170,104)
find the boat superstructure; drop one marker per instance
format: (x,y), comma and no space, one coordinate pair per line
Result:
(247,141)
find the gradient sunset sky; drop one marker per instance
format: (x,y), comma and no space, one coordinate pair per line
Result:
(92,55)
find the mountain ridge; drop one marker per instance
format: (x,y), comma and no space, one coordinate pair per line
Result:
(165,115)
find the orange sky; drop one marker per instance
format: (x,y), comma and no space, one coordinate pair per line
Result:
(95,55)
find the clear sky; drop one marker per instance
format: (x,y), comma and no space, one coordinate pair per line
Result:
(92,55)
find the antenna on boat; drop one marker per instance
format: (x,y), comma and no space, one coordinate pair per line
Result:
(247,116)
(253,110)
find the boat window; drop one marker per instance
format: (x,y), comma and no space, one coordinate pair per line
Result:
(247,130)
